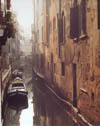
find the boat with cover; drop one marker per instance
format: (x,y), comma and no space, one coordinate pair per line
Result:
(17,95)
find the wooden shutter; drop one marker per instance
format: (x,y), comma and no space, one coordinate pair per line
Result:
(64,29)
(62,68)
(74,22)
(98,14)
(83,5)
(60,29)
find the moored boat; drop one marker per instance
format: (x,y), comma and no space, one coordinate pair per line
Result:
(17,95)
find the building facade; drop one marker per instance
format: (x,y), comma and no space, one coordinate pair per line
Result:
(9,45)
(71,52)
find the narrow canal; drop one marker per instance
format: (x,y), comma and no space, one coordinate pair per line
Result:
(24,117)
(43,109)
(47,110)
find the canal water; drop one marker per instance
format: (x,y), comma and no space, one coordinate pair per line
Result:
(47,109)
(43,110)
(24,117)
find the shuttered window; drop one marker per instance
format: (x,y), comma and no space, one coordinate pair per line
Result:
(74,22)
(47,30)
(64,29)
(54,24)
(42,33)
(60,29)
(98,14)
(62,68)
(82,18)
(83,4)
(54,69)
(78,20)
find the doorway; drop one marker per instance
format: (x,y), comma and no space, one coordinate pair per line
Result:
(74,85)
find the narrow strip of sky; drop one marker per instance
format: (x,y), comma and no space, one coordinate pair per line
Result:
(24,10)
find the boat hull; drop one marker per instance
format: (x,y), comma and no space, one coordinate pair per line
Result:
(17,100)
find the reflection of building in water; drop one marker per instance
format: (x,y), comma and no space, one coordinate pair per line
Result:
(47,110)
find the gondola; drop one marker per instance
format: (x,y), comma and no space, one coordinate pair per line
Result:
(17,95)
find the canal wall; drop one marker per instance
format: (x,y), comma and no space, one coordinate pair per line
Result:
(5,78)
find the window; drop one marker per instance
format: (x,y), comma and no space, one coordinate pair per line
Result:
(50,27)
(62,68)
(98,14)
(82,18)
(54,24)
(48,65)
(74,22)
(54,68)
(61,27)
(75,85)
(92,96)
(48,32)
(78,20)
(42,33)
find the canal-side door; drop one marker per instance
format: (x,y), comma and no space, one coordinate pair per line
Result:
(74,85)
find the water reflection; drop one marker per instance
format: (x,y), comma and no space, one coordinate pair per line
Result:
(47,109)
(26,117)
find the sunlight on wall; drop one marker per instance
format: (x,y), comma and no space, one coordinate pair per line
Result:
(26,118)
